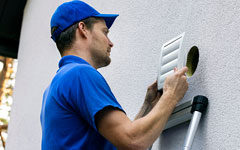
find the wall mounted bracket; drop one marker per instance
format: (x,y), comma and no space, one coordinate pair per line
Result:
(180,114)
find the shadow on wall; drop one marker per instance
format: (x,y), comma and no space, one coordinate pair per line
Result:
(177,140)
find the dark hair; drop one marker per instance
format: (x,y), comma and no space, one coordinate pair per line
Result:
(67,37)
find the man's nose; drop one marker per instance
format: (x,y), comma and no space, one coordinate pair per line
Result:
(111,43)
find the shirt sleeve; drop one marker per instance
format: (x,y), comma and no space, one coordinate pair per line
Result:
(95,95)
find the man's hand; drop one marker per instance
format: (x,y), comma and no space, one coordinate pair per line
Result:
(152,95)
(151,98)
(176,84)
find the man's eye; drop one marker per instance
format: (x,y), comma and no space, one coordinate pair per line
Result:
(105,32)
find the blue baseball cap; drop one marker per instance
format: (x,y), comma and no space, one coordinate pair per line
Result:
(74,11)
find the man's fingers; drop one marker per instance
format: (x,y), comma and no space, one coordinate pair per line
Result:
(158,95)
(153,86)
(175,69)
(183,70)
(154,83)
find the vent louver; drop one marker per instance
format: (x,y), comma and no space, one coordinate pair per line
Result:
(171,56)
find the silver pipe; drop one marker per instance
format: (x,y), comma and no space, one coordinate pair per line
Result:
(192,130)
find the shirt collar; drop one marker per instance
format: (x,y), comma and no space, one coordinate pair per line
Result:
(71,59)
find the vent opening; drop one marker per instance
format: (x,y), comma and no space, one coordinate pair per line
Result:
(192,60)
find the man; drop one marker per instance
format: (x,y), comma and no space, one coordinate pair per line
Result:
(79,111)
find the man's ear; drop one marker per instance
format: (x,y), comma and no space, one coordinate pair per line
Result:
(82,29)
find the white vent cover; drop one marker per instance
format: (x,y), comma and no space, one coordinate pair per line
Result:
(171,56)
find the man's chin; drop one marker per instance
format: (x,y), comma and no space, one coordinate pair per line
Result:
(106,62)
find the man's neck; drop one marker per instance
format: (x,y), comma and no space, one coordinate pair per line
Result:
(82,54)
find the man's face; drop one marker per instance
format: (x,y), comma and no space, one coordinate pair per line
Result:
(100,44)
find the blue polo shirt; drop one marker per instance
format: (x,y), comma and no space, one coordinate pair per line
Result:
(75,95)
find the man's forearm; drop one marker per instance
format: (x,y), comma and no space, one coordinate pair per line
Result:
(147,129)
(145,109)
(149,102)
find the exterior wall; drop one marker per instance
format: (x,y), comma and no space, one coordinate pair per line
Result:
(138,34)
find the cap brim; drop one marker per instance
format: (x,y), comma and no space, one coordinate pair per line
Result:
(109,18)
